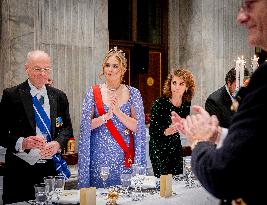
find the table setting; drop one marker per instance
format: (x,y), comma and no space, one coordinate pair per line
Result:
(135,189)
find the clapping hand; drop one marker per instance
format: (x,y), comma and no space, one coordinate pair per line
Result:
(172,129)
(199,126)
(50,149)
(33,142)
(178,122)
(114,104)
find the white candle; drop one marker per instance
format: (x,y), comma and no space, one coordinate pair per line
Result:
(237,73)
(254,62)
(242,70)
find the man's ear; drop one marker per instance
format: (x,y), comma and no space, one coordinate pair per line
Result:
(228,84)
(26,66)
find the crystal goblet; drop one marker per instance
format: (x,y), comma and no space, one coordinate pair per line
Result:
(104,173)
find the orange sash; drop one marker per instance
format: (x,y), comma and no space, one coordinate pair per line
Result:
(128,151)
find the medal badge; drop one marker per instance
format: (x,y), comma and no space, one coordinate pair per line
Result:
(126,131)
(59,122)
(130,161)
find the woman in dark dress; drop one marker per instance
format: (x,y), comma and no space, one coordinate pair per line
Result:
(165,144)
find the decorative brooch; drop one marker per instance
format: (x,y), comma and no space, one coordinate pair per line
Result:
(59,122)
(126,132)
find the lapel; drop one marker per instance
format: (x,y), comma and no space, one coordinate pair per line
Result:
(53,109)
(26,99)
(226,98)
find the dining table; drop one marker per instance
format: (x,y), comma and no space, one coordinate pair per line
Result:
(182,194)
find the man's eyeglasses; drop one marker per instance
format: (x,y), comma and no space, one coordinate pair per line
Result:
(38,69)
(246,5)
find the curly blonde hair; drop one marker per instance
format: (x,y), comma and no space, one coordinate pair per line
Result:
(188,78)
(120,56)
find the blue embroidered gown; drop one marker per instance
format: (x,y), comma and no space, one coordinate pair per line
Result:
(98,148)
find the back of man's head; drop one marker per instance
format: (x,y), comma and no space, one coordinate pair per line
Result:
(231,75)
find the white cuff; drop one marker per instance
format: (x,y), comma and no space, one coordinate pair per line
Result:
(222,137)
(18,146)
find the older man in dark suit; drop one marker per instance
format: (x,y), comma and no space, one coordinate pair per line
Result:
(36,120)
(219,102)
(236,170)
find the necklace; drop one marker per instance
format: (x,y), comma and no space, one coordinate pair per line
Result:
(113,89)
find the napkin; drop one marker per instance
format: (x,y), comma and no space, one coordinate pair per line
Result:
(149,182)
(70,197)
(32,157)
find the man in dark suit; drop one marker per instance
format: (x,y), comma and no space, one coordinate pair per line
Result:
(235,171)
(21,134)
(219,102)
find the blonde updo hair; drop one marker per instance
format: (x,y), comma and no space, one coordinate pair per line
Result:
(120,56)
(187,76)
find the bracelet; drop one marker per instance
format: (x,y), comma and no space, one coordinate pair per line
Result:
(103,118)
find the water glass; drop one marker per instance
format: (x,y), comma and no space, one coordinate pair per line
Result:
(50,182)
(142,170)
(125,182)
(104,173)
(135,170)
(59,185)
(138,173)
(189,180)
(41,191)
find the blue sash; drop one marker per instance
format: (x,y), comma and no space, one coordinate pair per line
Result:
(44,124)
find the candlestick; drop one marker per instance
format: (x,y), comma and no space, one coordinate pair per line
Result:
(240,68)
(254,62)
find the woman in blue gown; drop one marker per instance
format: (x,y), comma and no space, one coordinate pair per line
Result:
(123,106)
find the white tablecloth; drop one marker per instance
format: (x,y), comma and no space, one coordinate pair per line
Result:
(182,196)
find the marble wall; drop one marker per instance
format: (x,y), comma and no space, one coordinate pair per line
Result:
(203,36)
(209,41)
(74,33)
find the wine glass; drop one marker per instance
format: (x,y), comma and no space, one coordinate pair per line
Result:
(104,173)
(50,182)
(142,173)
(125,182)
(189,181)
(41,192)
(135,170)
(59,185)
(136,178)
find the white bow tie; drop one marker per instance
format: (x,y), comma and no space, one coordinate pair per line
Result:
(39,92)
